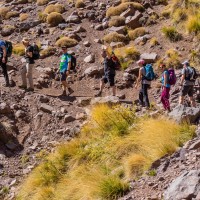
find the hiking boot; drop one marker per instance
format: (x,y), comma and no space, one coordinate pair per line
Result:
(7,85)
(64,93)
(22,87)
(70,91)
(30,89)
(98,94)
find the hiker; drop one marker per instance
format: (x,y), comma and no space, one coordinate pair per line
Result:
(187,83)
(27,69)
(65,66)
(165,87)
(3,61)
(109,72)
(146,75)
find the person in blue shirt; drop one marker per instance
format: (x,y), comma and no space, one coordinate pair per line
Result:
(3,61)
(165,87)
(64,68)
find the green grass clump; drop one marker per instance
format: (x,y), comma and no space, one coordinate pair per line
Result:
(112,148)
(19,49)
(80,4)
(54,18)
(66,41)
(42,2)
(171,33)
(59,8)
(117,21)
(114,37)
(133,34)
(193,24)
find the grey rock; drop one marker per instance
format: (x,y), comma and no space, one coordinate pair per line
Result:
(98,27)
(4,108)
(7,30)
(98,41)
(129,12)
(68,118)
(43,99)
(84,101)
(73,19)
(20,114)
(60,131)
(46,108)
(195,145)
(11,145)
(87,44)
(120,29)
(149,57)
(92,71)
(25,26)
(90,59)
(133,21)
(185,186)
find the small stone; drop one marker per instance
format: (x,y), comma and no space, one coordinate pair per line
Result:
(68,118)
(46,108)
(90,59)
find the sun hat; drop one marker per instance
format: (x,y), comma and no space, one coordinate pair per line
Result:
(25,40)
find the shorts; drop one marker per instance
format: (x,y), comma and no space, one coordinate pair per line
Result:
(109,79)
(63,76)
(187,90)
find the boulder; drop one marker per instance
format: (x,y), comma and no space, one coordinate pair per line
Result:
(108,99)
(84,101)
(4,108)
(25,26)
(129,12)
(74,19)
(185,186)
(149,57)
(120,29)
(90,59)
(133,21)
(7,30)
(93,71)
(68,118)
(185,114)
(46,108)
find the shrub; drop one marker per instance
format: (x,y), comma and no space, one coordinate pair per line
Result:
(19,49)
(47,52)
(59,8)
(54,18)
(117,21)
(66,41)
(117,10)
(114,37)
(42,2)
(133,34)
(4,11)
(42,16)
(153,41)
(179,15)
(11,14)
(23,16)
(193,24)
(80,4)
(171,33)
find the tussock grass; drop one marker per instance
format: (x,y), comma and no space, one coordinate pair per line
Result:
(193,24)
(80,4)
(4,11)
(19,49)
(117,21)
(54,18)
(59,8)
(117,10)
(114,37)
(47,52)
(171,33)
(23,16)
(133,34)
(11,14)
(66,41)
(153,41)
(112,148)
(42,2)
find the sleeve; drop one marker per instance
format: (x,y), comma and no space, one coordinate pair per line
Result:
(2,44)
(69,58)
(30,49)
(183,71)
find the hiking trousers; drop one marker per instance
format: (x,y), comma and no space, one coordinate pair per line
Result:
(27,69)
(165,98)
(143,95)
(5,72)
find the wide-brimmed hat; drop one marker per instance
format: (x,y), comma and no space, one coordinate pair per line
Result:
(25,40)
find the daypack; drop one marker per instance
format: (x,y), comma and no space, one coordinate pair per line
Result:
(149,73)
(73,63)
(36,52)
(117,62)
(9,48)
(172,77)
(191,75)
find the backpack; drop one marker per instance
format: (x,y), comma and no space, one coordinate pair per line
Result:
(172,77)
(73,63)
(9,48)
(117,62)
(192,74)
(36,52)
(149,73)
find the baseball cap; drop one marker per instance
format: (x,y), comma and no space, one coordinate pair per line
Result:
(186,62)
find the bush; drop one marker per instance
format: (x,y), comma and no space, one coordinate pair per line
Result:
(19,49)
(153,41)
(171,33)
(179,15)
(11,14)
(59,8)
(54,18)
(117,10)
(42,16)
(4,11)
(47,52)
(80,4)
(23,16)
(117,21)
(114,37)
(133,34)
(193,24)
(66,41)
(42,2)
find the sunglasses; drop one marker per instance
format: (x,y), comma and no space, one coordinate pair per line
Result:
(64,48)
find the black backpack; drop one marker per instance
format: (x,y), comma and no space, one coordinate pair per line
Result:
(9,48)
(36,52)
(191,75)
(73,63)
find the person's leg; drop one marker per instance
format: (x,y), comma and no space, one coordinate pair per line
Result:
(190,94)
(145,94)
(111,80)
(29,69)
(5,73)
(23,75)
(141,102)
(163,97)
(103,81)
(183,93)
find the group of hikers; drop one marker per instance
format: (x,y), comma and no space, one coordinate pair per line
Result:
(111,65)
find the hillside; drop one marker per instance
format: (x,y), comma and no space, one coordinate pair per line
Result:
(37,128)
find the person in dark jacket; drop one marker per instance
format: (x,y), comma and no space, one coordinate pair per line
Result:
(109,72)
(3,61)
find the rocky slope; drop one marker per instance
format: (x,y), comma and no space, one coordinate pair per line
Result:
(33,123)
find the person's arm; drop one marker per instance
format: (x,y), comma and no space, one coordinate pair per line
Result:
(4,54)
(165,79)
(182,78)
(29,53)
(69,64)
(139,78)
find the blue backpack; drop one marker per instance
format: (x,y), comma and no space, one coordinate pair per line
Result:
(149,73)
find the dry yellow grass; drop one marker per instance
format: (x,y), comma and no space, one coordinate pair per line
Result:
(97,164)
(54,18)
(42,2)
(114,37)
(23,16)
(47,52)
(117,21)
(80,4)
(66,41)
(19,49)
(117,10)
(133,34)
(11,14)
(4,11)
(193,24)
(59,8)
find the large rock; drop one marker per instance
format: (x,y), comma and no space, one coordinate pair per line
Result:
(4,108)
(7,30)
(90,59)
(133,21)
(108,99)
(74,19)
(185,186)
(93,71)
(25,26)
(120,30)
(149,57)
(46,108)
(129,12)
(68,118)
(185,114)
